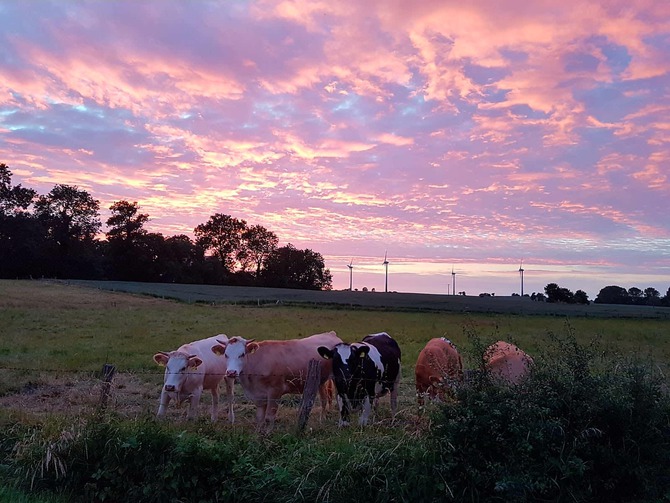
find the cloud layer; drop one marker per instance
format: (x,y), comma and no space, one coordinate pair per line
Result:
(477,134)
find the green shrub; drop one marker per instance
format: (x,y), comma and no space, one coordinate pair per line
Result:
(580,428)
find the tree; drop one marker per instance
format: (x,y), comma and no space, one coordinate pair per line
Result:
(256,246)
(613,295)
(15,199)
(557,294)
(581,297)
(288,267)
(71,220)
(183,261)
(651,293)
(126,224)
(21,236)
(222,235)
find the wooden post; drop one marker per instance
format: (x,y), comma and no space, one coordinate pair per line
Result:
(309,393)
(108,371)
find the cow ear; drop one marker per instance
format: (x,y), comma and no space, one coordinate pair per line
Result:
(161,358)
(194,361)
(251,346)
(219,349)
(325,352)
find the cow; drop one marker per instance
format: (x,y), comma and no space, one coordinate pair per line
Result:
(191,369)
(506,363)
(267,370)
(363,372)
(438,368)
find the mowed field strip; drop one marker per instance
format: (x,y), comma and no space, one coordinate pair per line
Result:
(56,336)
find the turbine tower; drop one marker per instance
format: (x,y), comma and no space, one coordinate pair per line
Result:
(350,265)
(453,281)
(386,266)
(521,274)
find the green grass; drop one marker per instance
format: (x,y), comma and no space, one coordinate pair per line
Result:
(567,434)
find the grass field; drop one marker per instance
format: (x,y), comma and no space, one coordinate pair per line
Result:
(56,336)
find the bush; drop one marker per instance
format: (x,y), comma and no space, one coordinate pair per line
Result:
(580,428)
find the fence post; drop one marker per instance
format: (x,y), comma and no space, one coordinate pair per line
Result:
(309,393)
(108,371)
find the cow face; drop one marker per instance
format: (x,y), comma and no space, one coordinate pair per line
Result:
(347,363)
(235,351)
(177,366)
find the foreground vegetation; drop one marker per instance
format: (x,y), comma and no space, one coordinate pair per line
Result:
(591,424)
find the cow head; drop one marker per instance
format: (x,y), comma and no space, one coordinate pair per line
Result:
(347,362)
(177,365)
(235,351)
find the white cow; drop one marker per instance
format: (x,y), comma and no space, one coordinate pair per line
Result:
(191,369)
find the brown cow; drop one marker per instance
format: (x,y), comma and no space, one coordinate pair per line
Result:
(269,369)
(506,363)
(438,368)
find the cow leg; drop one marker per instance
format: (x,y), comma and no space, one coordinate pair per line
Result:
(394,394)
(230,392)
(271,411)
(215,403)
(261,405)
(194,401)
(343,405)
(162,407)
(326,398)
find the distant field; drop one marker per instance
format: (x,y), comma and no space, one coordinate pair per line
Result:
(377,300)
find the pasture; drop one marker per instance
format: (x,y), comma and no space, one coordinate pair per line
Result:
(55,338)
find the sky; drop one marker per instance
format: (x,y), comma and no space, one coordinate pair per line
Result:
(473,137)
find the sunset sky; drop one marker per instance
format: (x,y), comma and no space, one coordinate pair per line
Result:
(471,135)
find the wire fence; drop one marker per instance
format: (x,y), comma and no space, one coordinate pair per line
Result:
(136,392)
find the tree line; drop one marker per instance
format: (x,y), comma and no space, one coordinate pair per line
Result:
(56,236)
(612,294)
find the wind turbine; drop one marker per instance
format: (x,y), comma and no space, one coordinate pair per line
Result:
(386,266)
(453,280)
(521,273)
(351,274)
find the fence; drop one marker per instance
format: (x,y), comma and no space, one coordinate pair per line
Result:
(134,394)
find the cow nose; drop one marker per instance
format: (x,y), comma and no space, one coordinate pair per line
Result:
(231,373)
(169,387)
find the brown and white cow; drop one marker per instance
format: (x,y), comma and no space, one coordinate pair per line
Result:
(506,363)
(267,370)
(438,368)
(191,369)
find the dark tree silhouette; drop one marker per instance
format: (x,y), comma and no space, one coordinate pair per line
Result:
(21,235)
(13,200)
(557,294)
(222,235)
(288,267)
(71,220)
(613,295)
(256,246)
(581,297)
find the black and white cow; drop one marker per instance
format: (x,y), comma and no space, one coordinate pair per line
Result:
(363,372)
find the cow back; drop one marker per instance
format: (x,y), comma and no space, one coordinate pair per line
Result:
(390,355)
(507,362)
(285,363)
